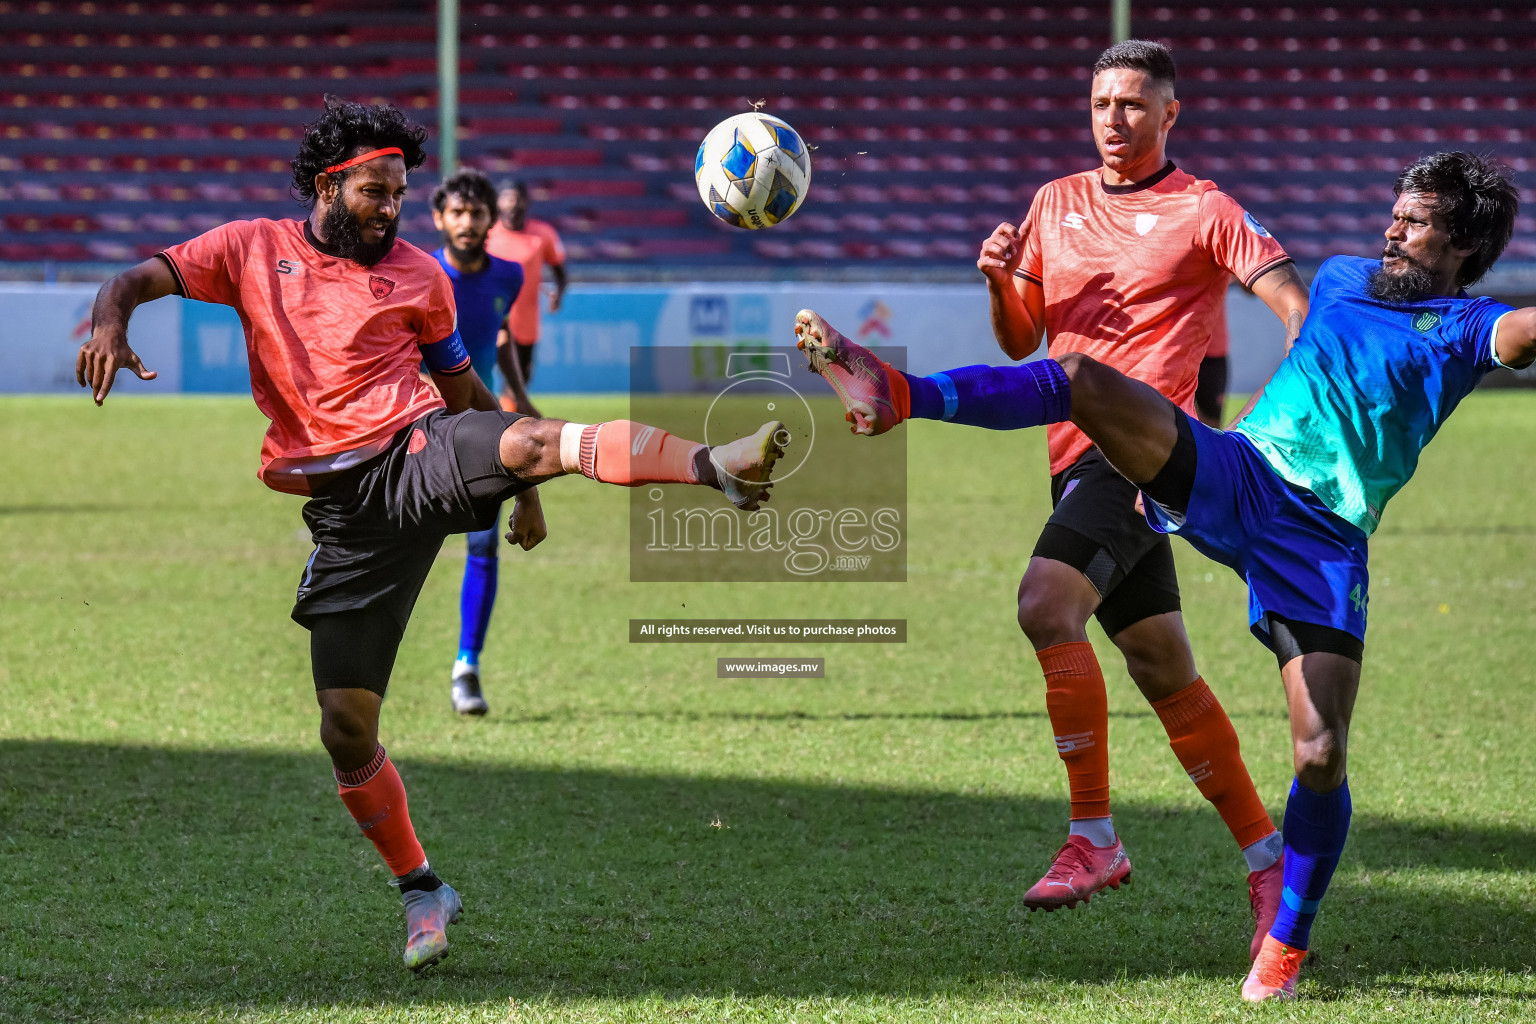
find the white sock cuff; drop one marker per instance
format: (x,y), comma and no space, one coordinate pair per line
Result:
(570,446)
(1265,852)
(1098,831)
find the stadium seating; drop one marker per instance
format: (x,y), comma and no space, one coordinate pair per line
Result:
(128,126)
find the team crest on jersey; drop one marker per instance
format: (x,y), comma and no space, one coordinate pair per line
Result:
(380,286)
(1426,321)
(1145,222)
(1254,225)
(417,442)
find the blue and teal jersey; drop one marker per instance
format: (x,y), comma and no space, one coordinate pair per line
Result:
(1366,387)
(483,299)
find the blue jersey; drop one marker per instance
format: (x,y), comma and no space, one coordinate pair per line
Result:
(483,299)
(1366,387)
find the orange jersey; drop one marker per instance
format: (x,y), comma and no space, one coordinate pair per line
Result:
(534,246)
(333,345)
(1135,276)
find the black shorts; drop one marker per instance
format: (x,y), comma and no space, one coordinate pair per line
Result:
(1211,388)
(1096,529)
(377,527)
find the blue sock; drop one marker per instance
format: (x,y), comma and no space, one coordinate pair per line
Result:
(476,599)
(1316,825)
(994,397)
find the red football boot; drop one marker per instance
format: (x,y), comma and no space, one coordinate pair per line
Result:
(1264,897)
(861,379)
(1079,870)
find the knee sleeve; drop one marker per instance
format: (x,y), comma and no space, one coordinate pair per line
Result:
(354,649)
(477,449)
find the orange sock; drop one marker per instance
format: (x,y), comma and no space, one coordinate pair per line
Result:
(376,797)
(1206,745)
(1079,710)
(631,454)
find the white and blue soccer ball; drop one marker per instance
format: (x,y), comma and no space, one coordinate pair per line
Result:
(753,170)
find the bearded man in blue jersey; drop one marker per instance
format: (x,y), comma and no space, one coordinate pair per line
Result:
(484,289)
(1289,496)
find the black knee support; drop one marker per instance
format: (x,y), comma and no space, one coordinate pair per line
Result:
(1290,640)
(354,649)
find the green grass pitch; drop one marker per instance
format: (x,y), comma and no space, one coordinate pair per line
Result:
(638,840)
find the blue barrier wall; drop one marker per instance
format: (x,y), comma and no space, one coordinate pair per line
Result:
(197,347)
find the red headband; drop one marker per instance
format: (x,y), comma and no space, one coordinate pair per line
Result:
(365,157)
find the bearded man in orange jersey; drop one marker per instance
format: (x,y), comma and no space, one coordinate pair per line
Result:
(339,316)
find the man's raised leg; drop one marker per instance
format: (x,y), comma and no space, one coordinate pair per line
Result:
(633,454)
(1135,427)
(352,654)
(1320,689)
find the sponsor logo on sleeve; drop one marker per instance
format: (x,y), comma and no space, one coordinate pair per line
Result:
(1254,225)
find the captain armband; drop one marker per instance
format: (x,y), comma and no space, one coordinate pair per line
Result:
(448,357)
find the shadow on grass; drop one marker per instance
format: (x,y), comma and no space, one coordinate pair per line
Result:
(139,879)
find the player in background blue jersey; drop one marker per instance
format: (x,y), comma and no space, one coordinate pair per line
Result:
(1289,496)
(484,289)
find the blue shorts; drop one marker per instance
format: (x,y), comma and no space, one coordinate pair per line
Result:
(1300,560)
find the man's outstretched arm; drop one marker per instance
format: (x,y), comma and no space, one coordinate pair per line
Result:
(107,350)
(1515,341)
(1282,290)
(464,391)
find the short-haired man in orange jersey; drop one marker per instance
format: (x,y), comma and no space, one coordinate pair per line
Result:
(1128,263)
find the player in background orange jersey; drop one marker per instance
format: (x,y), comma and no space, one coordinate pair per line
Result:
(534,244)
(338,318)
(1128,263)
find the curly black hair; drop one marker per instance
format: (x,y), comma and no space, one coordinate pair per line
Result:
(344,130)
(466,183)
(1478,199)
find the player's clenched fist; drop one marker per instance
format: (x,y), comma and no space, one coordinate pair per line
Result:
(1001,253)
(526,527)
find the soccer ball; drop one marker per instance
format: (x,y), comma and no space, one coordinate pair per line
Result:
(752,170)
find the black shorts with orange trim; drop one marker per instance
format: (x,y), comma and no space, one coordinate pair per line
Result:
(1096,529)
(377,527)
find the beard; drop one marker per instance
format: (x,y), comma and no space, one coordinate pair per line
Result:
(1412,282)
(345,235)
(467,256)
